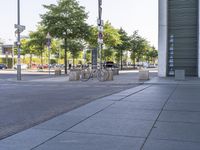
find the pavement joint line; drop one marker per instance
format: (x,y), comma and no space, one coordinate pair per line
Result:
(134,92)
(176,140)
(183,122)
(170,95)
(72,126)
(113,135)
(180,110)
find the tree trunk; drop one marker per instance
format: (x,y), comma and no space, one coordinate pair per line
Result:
(134,60)
(73,59)
(121,60)
(30,61)
(41,59)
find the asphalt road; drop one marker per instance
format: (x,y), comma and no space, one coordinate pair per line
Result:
(25,104)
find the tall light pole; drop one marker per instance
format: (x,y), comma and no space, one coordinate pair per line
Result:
(18,42)
(100,30)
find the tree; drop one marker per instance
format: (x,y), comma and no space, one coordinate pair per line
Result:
(124,45)
(65,20)
(67,15)
(111,38)
(153,55)
(75,46)
(24,47)
(38,42)
(138,47)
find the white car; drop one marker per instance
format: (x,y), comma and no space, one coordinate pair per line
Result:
(23,66)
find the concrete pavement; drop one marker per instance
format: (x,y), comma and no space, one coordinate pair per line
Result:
(161,114)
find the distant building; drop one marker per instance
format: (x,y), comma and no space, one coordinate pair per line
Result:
(179,41)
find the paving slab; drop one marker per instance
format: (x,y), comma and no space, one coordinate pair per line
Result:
(138,114)
(170,145)
(131,105)
(180,116)
(134,90)
(91,108)
(147,98)
(111,126)
(27,139)
(78,141)
(123,94)
(188,132)
(113,97)
(61,123)
(175,106)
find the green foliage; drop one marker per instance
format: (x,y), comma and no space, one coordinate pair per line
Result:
(123,45)
(38,41)
(111,36)
(67,20)
(138,47)
(67,16)
(75,46)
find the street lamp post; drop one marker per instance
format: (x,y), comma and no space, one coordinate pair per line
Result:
(100,29)
(48,37)
(18,42)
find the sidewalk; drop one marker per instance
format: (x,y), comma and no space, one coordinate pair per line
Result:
(161,114)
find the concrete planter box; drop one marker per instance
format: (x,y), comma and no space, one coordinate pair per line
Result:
(57,71)
(143,74)
(74,75)
(179,74)
(110,75)
(116,71)
(85,75)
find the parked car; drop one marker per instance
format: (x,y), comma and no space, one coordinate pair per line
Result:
(44,66)
(23,66)
(3,66)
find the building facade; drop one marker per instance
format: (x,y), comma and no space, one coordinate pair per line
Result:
(179,37)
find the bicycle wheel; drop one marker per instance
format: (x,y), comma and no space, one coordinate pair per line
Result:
(102,74)
(85,75)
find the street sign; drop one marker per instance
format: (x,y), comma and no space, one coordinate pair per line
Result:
(100,36)
(100,28)
(100,41)
(20,27)
(100,22)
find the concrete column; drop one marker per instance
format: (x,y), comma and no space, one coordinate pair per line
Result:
(162,38)
(199,44)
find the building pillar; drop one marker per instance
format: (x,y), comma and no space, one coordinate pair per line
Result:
(162,38)
(199,42)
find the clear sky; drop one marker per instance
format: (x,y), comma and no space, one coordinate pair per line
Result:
(132,15)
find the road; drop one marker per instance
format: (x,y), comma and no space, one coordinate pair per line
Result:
(28,103)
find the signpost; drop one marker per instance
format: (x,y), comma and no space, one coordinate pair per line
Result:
(20,29)
(100,30)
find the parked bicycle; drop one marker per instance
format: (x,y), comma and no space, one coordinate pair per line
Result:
(100,74)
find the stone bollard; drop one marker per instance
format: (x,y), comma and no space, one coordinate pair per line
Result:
(57,71)
(116,71)
(85,74)
(179,75)
(143,74)
(74,75)
(110,75)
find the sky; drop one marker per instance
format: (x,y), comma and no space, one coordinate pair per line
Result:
(131,15)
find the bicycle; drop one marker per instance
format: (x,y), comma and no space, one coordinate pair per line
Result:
(87,73)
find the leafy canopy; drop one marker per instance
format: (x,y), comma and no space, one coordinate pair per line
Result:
(67,16)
